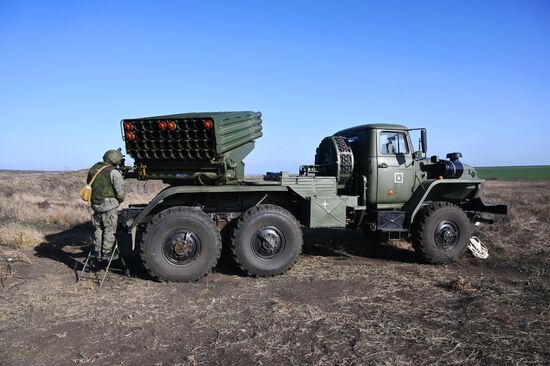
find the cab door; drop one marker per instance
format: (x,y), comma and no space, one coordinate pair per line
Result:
(394,167)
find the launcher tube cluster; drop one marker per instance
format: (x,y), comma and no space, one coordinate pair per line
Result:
(182,148)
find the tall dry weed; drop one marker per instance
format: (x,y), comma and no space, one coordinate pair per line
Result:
(16,235)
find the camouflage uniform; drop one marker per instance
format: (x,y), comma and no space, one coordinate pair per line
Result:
(107,194)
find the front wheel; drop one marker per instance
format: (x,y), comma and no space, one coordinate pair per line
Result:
(180,244)
(267,240)
(441,233)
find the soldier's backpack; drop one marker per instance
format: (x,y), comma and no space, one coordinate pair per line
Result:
(86,191)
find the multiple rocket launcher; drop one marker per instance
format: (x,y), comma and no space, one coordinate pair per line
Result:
(191,148)
(184,139)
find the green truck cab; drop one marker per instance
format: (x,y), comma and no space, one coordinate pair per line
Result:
(368,177)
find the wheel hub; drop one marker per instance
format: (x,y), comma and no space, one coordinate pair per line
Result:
(268,242)
(181,247)
(446,234)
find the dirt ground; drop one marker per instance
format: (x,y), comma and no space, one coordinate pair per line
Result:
(346,302)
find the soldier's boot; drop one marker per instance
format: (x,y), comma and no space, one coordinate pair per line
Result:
(95,259)
(91,264)
(94,262)
(110,255)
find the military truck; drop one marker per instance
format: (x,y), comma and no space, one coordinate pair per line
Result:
(367,177)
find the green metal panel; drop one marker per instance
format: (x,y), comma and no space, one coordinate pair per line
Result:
(311,186)
(452,190)
(352,201)
(327,212)
(236,129)
(396,177)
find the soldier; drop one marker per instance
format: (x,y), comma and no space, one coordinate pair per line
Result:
(107,194)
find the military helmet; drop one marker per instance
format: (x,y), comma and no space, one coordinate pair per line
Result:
(113,157)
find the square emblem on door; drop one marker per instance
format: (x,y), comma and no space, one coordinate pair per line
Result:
(398,178)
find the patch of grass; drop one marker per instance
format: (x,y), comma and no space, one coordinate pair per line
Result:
(19,236)
(514,172)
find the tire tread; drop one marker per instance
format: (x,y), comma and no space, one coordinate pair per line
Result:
(239,226)
(418,232)
(159,218)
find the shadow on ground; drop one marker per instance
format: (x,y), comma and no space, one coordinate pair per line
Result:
(71,247)
(68,245)
(353,243)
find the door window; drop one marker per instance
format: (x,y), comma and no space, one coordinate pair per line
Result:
(393,143)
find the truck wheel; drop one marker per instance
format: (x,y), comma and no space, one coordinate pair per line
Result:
(180,244)
(441,233)
(266,241)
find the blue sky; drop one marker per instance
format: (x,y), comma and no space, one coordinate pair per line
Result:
(475,73)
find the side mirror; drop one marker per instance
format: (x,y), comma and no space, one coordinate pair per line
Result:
(424,141)
(417,155)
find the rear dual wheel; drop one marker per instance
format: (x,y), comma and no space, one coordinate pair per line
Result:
(180,244)
(267,241)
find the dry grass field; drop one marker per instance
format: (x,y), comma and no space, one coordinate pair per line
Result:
(346,302)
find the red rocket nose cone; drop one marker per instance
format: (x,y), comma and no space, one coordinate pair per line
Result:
(207,124)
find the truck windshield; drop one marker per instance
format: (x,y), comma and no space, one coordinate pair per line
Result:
(393,143)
